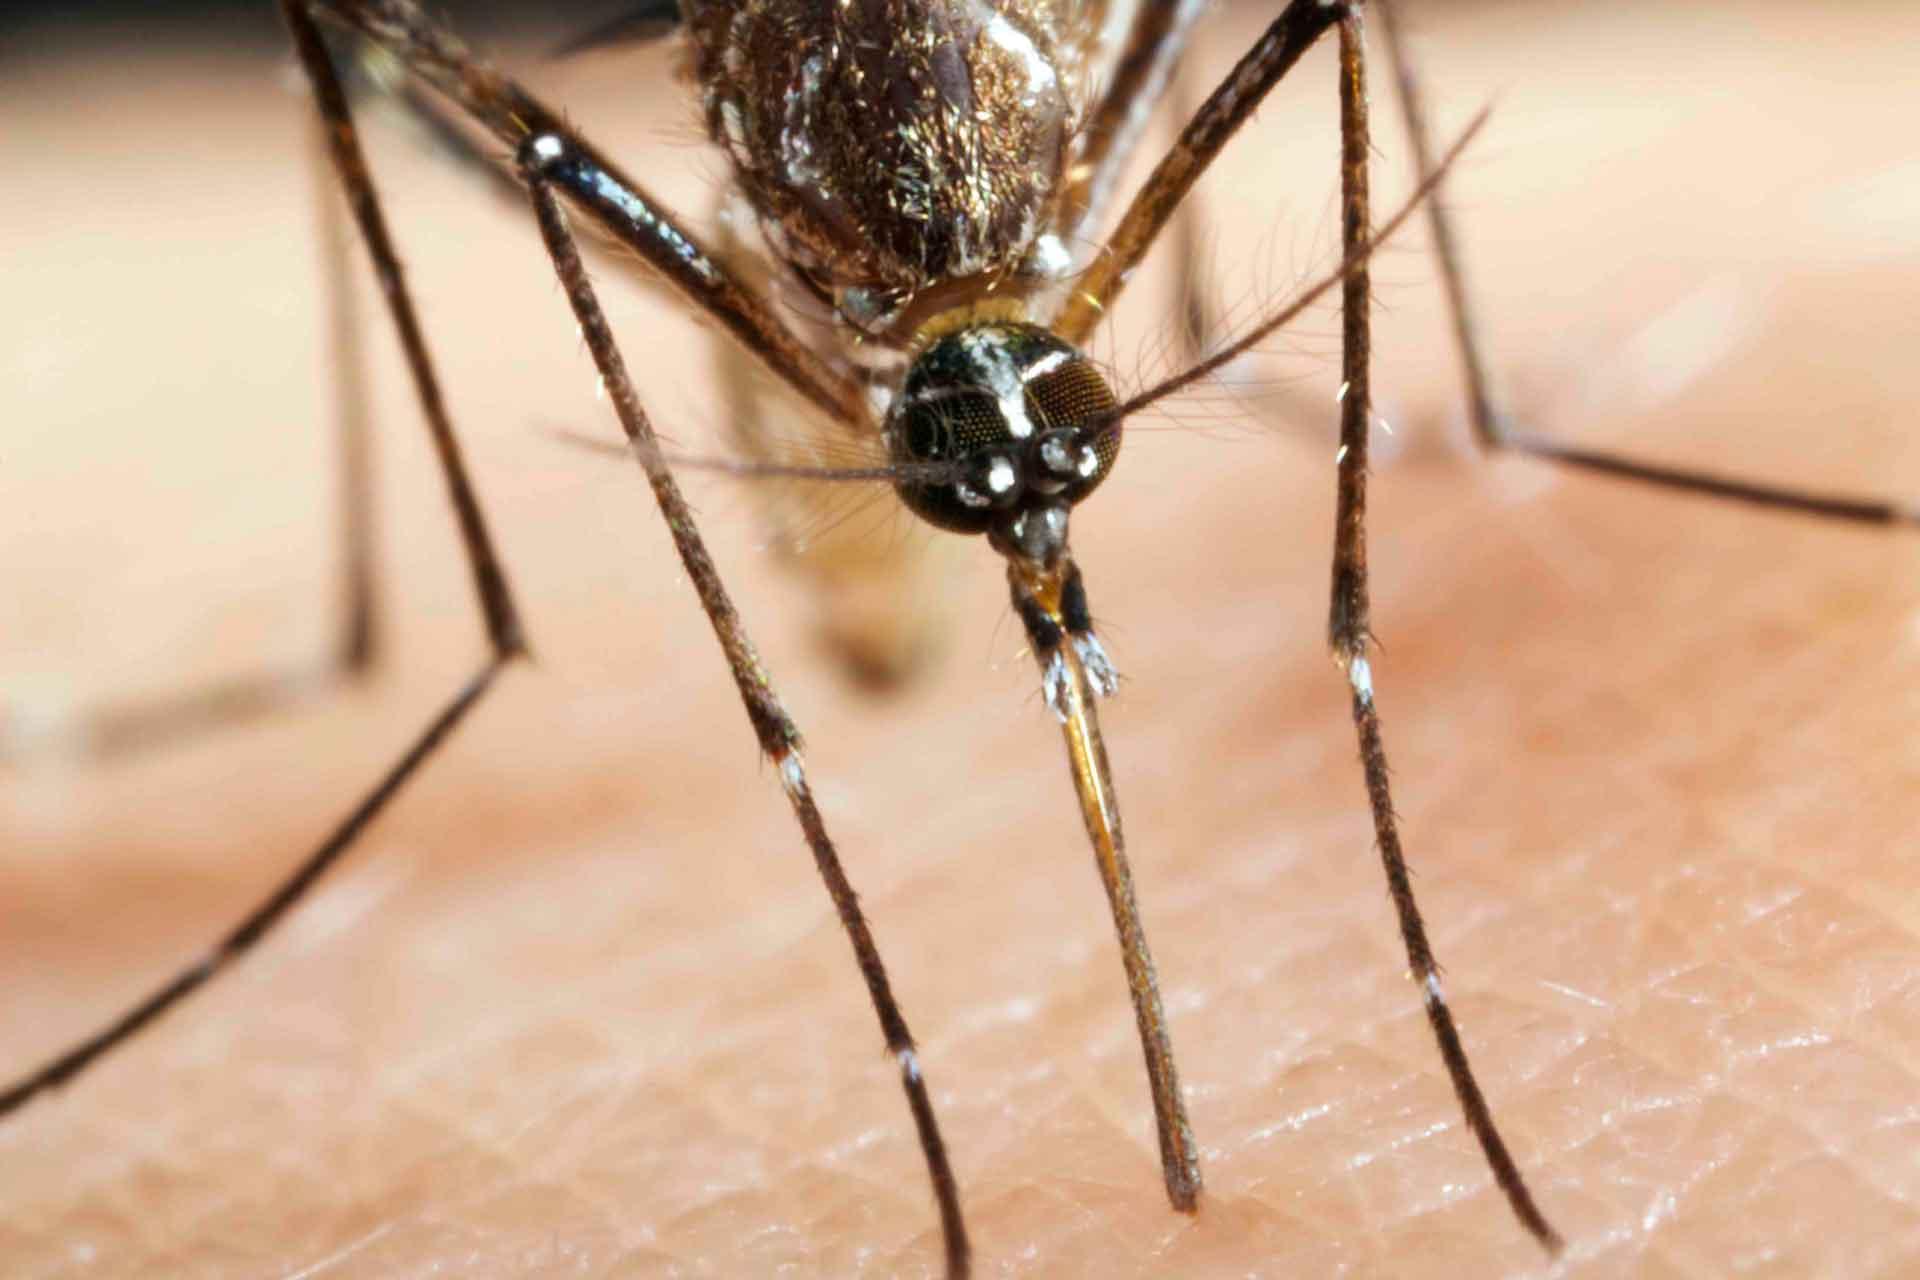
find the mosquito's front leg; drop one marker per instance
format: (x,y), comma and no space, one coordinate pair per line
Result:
(621,206)
(1151,49)
(547,162)
(1230,105)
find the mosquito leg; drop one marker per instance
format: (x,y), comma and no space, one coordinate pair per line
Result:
(1199,299)
(70,1063)
(547,161)
(1492,426)
(1052,605)
(358,643)
(442,132)
(1413,113)
(1205,317)
(504,634)
(740,398)
(118,729)
(622,207)
(1348,633)
(1225,110)
(371,71)
(1154,42)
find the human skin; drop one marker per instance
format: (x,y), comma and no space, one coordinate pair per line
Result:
(578,1004)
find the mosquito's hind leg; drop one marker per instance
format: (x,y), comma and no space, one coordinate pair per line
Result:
(1202,316)
(358,641)
(504,635)
(123,728)
(1496,430)
(1349,633)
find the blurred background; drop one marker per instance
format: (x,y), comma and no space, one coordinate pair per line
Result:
(579,1003)
(245,25)
(250,25)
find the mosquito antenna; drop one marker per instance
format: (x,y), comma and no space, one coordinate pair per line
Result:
(890,472)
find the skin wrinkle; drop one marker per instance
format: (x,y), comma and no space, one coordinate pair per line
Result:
(1790,995)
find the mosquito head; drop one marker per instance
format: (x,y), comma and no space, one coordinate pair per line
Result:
(1024,421)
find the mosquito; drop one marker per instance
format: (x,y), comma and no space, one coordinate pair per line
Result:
(962,284)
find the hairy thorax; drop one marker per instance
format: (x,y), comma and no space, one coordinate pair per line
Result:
(897,151)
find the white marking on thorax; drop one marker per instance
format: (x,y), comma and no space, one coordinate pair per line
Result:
(796,142)
(1040,73)
(1049,257)
(738,41)
(734,126)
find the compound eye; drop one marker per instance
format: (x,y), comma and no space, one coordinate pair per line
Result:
(963,427)
(1009,417)
(1076,449)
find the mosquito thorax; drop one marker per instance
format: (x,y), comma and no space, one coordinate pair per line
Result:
(892,147)
(1023,423)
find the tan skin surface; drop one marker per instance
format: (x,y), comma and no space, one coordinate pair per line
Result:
(578,1006)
